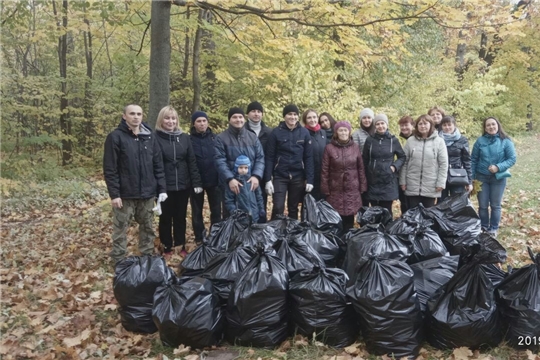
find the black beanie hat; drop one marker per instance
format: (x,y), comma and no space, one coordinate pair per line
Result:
(198,114)
(235,110)
(290,108)
(255,105)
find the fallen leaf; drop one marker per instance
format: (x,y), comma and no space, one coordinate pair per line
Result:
(192,357)
(462,353)
(352,349)
(181,350)
(531,356)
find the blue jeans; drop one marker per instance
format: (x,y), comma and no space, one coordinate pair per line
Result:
(490,197)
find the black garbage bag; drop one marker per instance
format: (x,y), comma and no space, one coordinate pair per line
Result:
(492,248)
(296,254)
(518,297)
(195,262)
(135,280)
(430,275)
(321,216)
(384,298)
(419,214)
(256,234)
(223,234)
(373,215)
(225,268)
(327,245)
(319,305)
(371,240)
(188,314)
(463,312)
(456,222)
(426,244)
(283,225)
(257,312)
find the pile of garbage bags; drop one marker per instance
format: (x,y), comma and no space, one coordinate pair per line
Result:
(431,275)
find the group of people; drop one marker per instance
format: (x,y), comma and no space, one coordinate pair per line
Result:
(249,161)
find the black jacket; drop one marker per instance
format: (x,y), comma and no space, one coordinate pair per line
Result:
(380,152)
(132,164)
(264,134)
(459,156)
(318,143)
(181,172)
(289,154)
(203,146)
(232,143)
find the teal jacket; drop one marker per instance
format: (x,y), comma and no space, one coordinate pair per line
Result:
(491,150)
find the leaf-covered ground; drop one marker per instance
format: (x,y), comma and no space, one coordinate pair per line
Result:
(56,282)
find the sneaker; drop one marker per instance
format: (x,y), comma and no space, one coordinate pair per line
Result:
(183,253)
(493,233)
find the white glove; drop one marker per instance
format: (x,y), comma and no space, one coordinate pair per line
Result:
(157,208)
(269,187)
(162,197)
(197,190)
(309,187)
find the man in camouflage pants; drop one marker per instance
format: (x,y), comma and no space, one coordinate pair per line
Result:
(133,169)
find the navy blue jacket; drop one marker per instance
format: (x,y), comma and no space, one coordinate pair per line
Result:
(248,201)
(132,164)
(181,172)
(289,154)
(203,147)
(235,142)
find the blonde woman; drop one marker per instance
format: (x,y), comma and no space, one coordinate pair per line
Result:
(181,175)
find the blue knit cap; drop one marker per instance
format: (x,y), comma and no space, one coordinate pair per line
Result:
(198,114)
(241,160)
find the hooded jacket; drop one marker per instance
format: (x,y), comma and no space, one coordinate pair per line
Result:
(289,153)
(459,156)
(203,147)
(426,166)
(133,164)
(343,177)
(380,153)
(491,150)
(232,143)
(181,172)
(248,201)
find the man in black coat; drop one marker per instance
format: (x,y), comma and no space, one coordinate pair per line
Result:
(133,169)
(203,141)
(255,113)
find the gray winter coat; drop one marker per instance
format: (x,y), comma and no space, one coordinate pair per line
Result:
(426,166)
(359,137)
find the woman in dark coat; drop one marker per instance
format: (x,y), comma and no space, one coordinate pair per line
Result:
(181,175)
(343,179)
(383,157)
(459,156)
(327,123)
(318,143)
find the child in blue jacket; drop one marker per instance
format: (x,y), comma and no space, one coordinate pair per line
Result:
(249,201)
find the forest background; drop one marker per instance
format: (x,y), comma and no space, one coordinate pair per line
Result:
(69,67)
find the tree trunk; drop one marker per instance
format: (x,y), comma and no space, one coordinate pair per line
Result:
(160,59)
(209,47)
(461,67)
(65,121)
(196,60)
(88,96)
